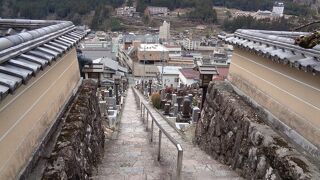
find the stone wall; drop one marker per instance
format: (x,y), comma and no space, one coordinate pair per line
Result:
(79,146)
(232,132)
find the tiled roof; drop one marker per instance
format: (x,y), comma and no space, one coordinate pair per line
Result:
(24,53)
(169,70)
(278,46)
(190,73)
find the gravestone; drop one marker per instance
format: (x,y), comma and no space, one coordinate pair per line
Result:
(166,109)
(162,94)
(179,101)
(162,103)
(195,114)
(186,108)
(174,99)
(175,110)
(190,97)
(184,115)
(111,103)
(168,96)
(103,106)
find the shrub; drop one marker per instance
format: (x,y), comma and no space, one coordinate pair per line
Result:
(156,100)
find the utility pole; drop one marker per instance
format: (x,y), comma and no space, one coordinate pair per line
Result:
(144,64)
(162,59)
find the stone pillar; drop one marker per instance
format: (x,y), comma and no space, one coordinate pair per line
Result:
(195,114)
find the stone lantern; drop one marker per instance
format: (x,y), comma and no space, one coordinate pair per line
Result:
(207,72)
(117,83)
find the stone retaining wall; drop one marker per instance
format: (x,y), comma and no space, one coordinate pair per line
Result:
(79,146)
(232,132)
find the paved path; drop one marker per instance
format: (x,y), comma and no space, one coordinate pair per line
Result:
(132,156)
(196,163)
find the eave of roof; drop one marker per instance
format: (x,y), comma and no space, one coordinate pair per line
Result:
(23,55)
(279,47)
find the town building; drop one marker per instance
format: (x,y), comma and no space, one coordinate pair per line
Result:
(154,10)
(190,44)
(174,50)
(104,70)
(147,59)
(282,79)
(169,75)
(220,58)
(188,76)
(164,31)
(152,54)
(39,73)
(128,39)
(193,44)
(127,11)
(278,9)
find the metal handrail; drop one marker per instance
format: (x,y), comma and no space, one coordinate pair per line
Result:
(143,109)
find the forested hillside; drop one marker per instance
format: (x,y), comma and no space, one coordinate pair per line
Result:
(59,9)
(69,8)
(98,13)
(247,5)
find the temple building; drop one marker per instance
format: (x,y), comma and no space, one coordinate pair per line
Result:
(282,79)
(39,73)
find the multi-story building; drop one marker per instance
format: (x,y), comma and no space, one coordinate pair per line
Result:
(175,51)
(282,79)
(169,75)
(278,9)
(188,76)
(153,10)
(126,11)
(39,73)
(128,39)
(148,56)
(190,44)
(152,54)
(164,31)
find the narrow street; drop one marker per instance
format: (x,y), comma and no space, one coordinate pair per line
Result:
(132,156)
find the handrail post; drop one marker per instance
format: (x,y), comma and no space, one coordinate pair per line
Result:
(159,147)
(140,109)
(179,161)
(151,139)
(147,120)
(144,112)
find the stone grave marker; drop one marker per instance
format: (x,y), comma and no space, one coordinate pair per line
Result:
(175,110)
(190,97)
(162,103)
(195,114)
(166,109)
(174,99)
(179,101)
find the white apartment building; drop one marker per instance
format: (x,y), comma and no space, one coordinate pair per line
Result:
(278,9)
(152,10)
(126,11)
(164,31)
(190,44)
